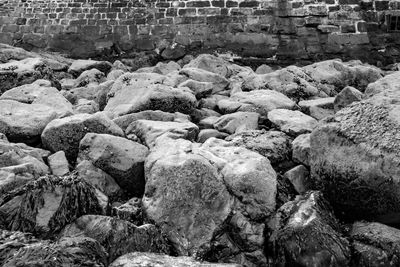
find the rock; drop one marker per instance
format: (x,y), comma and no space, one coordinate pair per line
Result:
(40,92)
(152,95)
(199,115)
(301,149)
(80,65)
(199,202)
(86,106)
(388,83)
(23,150)
(166,68)
(130,211)
(25,71)
(152,115)
(260,101)
(237,122)
(24,122)
(211,102)
(323,103)
(299,177)
(219,82)
(208,133)
(12,177)
(66,133)
(117,236)
(44,206)
(199,89)
(347,96)
(305,232)
(375,244)
(74,252)
(95,92)
(91,76)
(99,179)
(117,156)
(355,158)
(216,65)
(8,53)
(11,242)
(174,52)
(3,137)
(273,145)
(115,74)
(149,131)
(292,122)
(264,69)
(143,259)
(290,81)
(58,163)
(320,113)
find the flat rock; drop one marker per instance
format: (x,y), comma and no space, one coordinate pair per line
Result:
(292,122)
(299,177)
(273,145)
(117,236)
(260,101)
(148,131)
(66,133)
(324,103)
(119,157)
(208,133)
(237,122)
(40,92)
(24,122)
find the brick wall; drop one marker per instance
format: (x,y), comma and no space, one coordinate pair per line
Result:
(287,28)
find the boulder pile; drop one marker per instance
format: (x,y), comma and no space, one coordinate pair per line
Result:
(199,162)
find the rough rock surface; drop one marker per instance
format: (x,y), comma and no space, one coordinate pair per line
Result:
(141,259)
(44,206)
(117,236)
(355,159)
(237,122)
(66,133)
(305,233)
(292,122)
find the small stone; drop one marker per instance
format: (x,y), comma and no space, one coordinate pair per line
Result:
(58,163)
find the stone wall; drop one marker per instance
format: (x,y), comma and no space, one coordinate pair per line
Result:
(307,29)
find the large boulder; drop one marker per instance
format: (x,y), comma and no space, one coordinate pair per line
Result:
(44,206)
(134,92)
(194,191)
(390,82)
(148,131)
(66,133)
(347,96)
(305,233)
(260,101)
(117,236)
(355,159)
(121,158)
(22,122)
(143,259)
(40,92)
